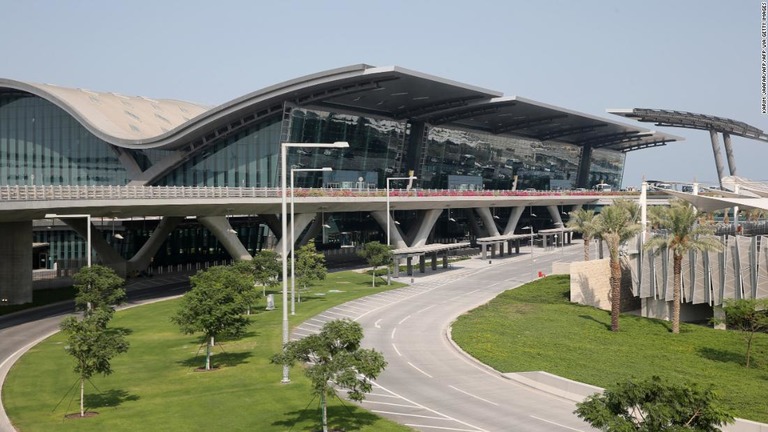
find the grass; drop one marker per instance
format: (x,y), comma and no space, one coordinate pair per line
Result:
(535,327)
(154,386)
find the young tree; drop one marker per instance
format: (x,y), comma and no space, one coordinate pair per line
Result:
(249,294)
(213,307)
(310,265)
(681,234)
(266,269)
(98,287)
(616,224)
(583,221)
(748,316)
(334,358)
(652,406)
(377,254)
(92,345)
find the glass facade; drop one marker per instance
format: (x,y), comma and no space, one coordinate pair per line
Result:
(40,144)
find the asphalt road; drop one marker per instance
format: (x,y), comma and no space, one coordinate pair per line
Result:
(430,385)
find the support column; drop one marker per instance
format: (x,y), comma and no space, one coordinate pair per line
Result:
(422,263)
(108,256)
(143,257)
(718,157)
(514,218)
(409,266)
(220,227)
(396,236)
(445,260)
(490,225)
(729,153)
(420,231)
(582,179)
(16,263)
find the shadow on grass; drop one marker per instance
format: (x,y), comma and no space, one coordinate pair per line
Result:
(123,330)
(591,318)
(723,356)
(109,398)
(341,418)
(219,358)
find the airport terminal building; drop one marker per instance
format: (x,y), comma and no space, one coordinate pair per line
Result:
(451,136)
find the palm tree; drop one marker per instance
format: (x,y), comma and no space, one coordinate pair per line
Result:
(583,221)
(616,224)
(683,234)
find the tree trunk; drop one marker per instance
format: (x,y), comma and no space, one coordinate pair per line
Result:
(677,272)
(587,241)
(615,293)
(324,406)
(82,397)
(208,353)
(373,279)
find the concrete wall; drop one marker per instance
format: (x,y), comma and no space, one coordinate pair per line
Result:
(591,285)
(661,309)
(561,268)
(16,262)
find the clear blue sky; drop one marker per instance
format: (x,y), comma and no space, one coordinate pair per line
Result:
(699,56)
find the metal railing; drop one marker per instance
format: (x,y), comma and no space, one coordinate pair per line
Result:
(47,193)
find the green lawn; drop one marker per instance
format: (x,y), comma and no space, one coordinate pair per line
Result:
(534,328)
(155,387)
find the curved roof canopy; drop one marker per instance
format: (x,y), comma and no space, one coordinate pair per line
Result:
(386,92)
(684,119)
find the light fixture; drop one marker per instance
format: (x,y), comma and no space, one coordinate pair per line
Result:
(118,236)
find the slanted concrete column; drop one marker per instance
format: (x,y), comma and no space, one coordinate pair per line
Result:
(396,236)
(718,156)
(420,232)
(300,222)
(554,213)
(582,178)
(16,263)
(490,225)
(729,153)
(106,253)
(143,257)
(514,218)
(220,227)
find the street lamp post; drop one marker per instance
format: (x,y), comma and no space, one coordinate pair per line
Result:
(88,229)
(284,228)
(389,242)
(293,238)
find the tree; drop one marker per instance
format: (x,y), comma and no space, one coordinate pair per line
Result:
(334,359)
(680,234)
(249,294)
(652,406)
(748,316)
(377,254)
(583,221)
(310,265)
(92,345)
(98,287)
(616,224)
(266,269)
(213,307)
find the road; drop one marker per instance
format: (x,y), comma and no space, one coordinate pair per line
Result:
(430,385)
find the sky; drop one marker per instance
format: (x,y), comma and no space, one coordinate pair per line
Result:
(700,56)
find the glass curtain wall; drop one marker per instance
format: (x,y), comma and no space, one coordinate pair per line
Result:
(40,144)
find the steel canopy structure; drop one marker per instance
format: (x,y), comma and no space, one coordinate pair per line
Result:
(713,124)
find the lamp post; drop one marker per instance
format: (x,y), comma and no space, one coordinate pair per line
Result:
(531,228)
(284,228)
(88,229)
(389,242)
(293,238)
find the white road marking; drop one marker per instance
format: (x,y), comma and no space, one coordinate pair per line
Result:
(556,424)
(407,415)
(414,366)
(376,324)
(426,309)
(393,333)
(396,350)
(404,319)
(368,401)
(470,394)
(439,427)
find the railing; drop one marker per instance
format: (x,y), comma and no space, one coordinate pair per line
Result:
(47,193)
